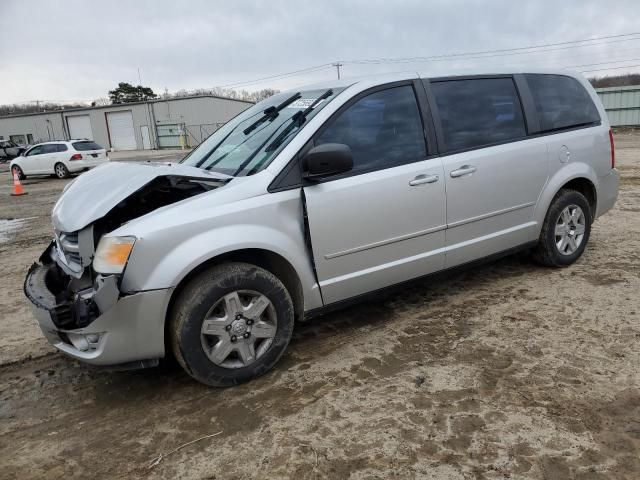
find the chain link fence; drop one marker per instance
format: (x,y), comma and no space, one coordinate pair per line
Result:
(196,134)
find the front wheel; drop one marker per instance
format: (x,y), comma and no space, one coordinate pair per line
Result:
(565,231)
(60,170)
(231,323)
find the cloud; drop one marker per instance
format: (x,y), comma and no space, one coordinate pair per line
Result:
(78,50)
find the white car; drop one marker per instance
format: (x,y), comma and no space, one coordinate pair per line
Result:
(59,158)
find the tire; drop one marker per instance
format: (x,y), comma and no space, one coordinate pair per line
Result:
(555,250)
(211,295)
(60,170)
(18,170)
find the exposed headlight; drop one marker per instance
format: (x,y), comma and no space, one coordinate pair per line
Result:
(112,254)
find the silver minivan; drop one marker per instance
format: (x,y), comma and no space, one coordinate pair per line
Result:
(313,199)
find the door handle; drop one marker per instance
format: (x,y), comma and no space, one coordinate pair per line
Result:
(463,170)
(423,179)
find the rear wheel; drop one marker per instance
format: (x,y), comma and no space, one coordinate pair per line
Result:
(60,170)
(16,170)
(566,230)
(231,324)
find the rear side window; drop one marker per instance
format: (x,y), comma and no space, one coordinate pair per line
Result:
(84,146)
(61,147)
(49,148)
(478,112)
(561,102)
(382,129)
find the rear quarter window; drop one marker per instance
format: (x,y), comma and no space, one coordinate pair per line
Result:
(84,146)
(561,102)
(49,148)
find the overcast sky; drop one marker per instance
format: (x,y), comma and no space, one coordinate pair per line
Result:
(78,50)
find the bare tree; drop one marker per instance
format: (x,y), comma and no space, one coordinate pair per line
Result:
(39,107)
(101,102)
(245,95)
(616,80)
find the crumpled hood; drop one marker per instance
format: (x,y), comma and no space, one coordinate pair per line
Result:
(94,193)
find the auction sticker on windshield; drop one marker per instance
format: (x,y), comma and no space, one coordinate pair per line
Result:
(304,103)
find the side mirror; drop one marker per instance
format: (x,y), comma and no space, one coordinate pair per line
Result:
(325,160)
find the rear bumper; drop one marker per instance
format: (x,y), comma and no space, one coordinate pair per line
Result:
(79,165)
(130,330)
(607,192)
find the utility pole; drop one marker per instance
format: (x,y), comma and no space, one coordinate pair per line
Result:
(338,65)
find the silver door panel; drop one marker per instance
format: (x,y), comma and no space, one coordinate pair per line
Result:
(424,255)
(372,230)
(491,198)
(475,240)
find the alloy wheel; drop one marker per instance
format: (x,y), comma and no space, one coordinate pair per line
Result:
(570,230)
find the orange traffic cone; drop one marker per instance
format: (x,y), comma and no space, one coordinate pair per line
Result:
(17,186)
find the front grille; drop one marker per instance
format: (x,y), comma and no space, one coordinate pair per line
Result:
(68,242)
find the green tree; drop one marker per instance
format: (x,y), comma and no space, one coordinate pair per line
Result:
(127,93)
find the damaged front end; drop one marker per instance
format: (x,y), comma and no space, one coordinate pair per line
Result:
(83,312)
(74,299)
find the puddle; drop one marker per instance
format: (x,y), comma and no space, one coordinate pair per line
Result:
(8,226)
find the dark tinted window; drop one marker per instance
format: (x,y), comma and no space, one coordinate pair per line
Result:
(383,129)
(49,148)
(561,102)
(478,112)
(84,146)
(61,147)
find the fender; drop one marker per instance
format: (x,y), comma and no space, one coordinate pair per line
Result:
(163,258)
(560,178)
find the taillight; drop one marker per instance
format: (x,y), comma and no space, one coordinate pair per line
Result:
(613,149)
(77,156)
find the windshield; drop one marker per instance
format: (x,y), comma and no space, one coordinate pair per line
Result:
(250,141)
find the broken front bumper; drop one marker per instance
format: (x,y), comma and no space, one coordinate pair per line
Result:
(123,329)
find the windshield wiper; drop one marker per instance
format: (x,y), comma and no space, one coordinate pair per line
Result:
(208,154)
(297,120)
(271,113)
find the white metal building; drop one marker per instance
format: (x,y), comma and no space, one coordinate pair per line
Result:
(622,104)
(128,126)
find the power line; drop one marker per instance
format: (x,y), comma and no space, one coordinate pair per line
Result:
(440,59)
(532,49)
(565,67)
(586,55)
(281,75)
(603,63)
(610,68)
(483,53)
(429,60)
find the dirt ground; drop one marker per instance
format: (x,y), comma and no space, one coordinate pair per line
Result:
(506,371)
